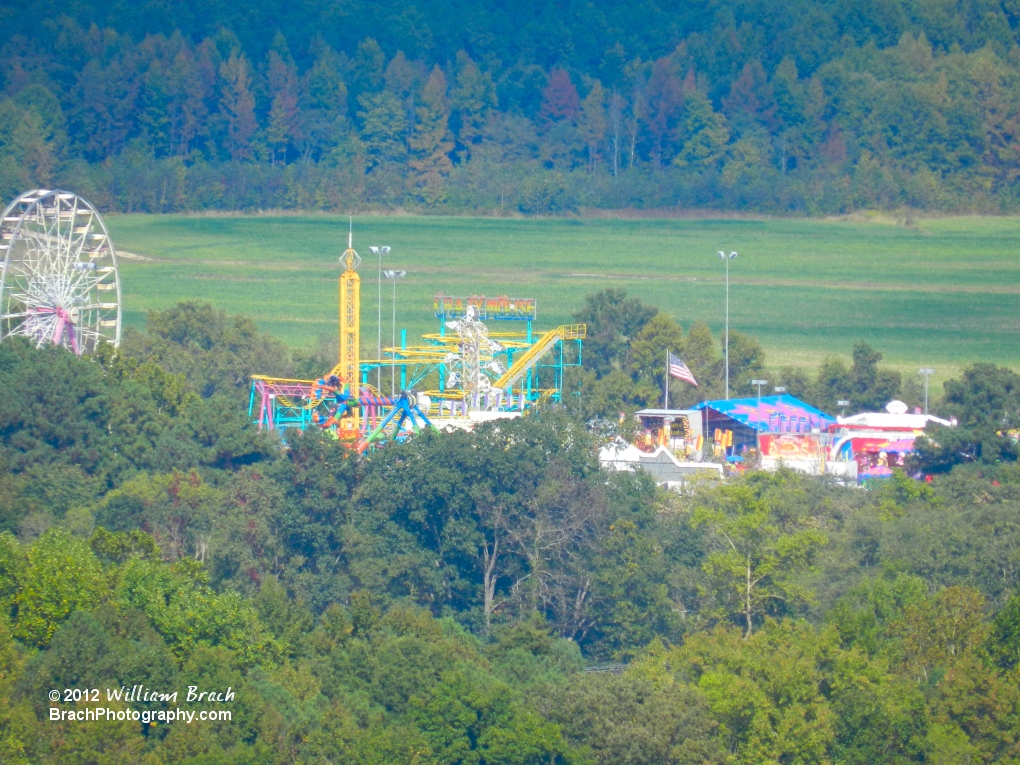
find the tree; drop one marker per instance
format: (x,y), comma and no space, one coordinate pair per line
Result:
(469,716)
(237,104)
(179,510)
(60,575)
(832,384)
(871,388)
(986,402)
(751,101)
(767,691)
(756,557)
(648,355)
(560,100)
(558,121)
(664,101)
(592,123)
(747,361)
(189,94)
(432,142)
(704,135)
(986,394)
(188,614)
(941,631)
(613,320)
(71,421)
(384,128)
(1004,637)
(29,149)
(323,111)
(699,353)
(472,97)
(283,128)
(215,353)
(629,720)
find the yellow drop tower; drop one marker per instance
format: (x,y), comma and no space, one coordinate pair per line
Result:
(349,369)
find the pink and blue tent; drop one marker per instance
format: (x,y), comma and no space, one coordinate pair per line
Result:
(770,414)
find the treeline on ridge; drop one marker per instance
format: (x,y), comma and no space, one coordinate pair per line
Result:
(811,108)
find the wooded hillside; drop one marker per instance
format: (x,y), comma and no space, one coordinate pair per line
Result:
(492,597)
(807,107)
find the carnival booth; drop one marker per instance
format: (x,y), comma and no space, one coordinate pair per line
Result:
(678,430)
(879,442)
(783,429)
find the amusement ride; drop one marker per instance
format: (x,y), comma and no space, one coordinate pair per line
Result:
(479,374)
(59,283)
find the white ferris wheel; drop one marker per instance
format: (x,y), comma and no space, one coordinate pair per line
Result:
(59,283)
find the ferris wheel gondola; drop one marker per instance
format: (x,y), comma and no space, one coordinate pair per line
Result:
(59,283)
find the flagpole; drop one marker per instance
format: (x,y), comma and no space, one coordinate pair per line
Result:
(665,403)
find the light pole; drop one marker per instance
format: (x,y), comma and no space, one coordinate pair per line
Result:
(394,275)
(380,251)
(726,343)
(757,430)
(843,404)
(927,372)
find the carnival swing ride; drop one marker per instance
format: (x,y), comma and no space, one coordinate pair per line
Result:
(481,375)
(59,283)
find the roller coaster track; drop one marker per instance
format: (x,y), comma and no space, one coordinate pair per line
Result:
(545,343)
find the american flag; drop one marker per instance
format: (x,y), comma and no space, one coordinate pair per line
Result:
(680,371)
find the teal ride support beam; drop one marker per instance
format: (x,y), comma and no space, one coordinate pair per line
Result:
(403,367)
(404,407)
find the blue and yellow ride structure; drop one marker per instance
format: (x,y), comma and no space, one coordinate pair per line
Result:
(456,376)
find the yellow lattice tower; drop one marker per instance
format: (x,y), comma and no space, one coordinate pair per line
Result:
(350,329)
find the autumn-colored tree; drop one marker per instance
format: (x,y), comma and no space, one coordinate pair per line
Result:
(664,101)
(284,126)
(751,100)
(560,100)
(432,141)
(238,106)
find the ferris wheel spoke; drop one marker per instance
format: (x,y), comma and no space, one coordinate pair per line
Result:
(85,281)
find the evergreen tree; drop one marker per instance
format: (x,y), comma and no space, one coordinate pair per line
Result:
(384,128)
(472,97)
(238,106)
(323,105)
(704,135)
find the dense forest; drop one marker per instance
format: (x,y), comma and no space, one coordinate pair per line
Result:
(489,597)
(807,107)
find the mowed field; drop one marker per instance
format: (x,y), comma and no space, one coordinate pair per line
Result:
(943,293)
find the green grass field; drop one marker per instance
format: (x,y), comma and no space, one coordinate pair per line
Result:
(943,294)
